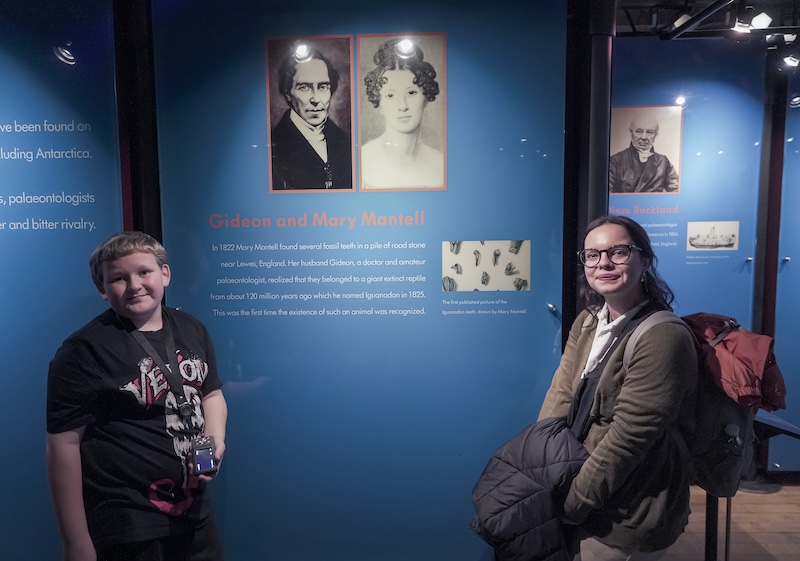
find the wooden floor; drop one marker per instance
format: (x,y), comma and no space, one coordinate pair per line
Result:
(764,527)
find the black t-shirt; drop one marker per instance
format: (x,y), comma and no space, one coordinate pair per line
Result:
(136,482)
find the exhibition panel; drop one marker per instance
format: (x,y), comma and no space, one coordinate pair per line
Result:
(384,303)
(60,195)
(686,109)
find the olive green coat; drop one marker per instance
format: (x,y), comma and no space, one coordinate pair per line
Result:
(633,491)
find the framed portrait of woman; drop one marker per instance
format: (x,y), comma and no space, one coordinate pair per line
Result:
(402,111)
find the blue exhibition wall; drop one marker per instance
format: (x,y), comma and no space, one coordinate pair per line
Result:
(704,234)
(376,345)
(59,197)
(784,451)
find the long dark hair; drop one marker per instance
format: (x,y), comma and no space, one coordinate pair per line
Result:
(656,288)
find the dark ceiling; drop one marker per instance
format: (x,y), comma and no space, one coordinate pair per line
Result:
(708,17)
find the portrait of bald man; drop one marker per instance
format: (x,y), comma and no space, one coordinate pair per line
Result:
(639,168)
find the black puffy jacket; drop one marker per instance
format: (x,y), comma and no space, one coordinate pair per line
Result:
(516,496)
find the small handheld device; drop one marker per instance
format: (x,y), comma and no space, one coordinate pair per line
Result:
(203,450)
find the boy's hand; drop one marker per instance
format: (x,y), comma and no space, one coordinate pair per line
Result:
(216,413)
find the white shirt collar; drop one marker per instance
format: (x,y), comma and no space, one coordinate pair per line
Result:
(606,334)
(312,133)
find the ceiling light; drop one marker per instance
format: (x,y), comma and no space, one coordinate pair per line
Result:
(740,27)
(776,41)
(761,21)
(681,20)
(744,17)
(64,55)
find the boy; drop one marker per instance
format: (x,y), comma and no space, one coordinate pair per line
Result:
(119,435)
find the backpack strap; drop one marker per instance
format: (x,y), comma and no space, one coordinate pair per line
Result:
(730,325)
(661,316)
(579,417)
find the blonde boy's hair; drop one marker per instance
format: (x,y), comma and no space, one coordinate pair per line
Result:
(120,245)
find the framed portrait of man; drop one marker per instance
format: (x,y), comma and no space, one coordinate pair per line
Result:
(402,109)
(310,113)
(645,150)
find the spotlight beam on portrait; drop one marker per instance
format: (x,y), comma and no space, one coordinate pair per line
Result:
(405,48)
(302,52)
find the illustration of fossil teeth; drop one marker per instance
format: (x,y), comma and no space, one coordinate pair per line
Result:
(448,284)
(457,268)
(485,278)
(514,246)
(495,256)
(455,247)
(477,255)
(520,284)
(511,269)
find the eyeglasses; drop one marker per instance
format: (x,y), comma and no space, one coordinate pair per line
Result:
(617,254)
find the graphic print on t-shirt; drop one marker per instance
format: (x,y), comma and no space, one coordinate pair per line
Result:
(151,388)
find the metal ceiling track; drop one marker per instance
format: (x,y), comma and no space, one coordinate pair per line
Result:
(696,19)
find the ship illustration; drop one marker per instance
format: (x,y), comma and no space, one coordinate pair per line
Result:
(712,240)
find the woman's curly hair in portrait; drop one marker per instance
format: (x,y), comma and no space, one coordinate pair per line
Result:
(387,58)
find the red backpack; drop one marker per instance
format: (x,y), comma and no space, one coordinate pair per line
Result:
(737,375)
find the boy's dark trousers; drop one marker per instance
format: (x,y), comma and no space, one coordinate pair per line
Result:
(201,544)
